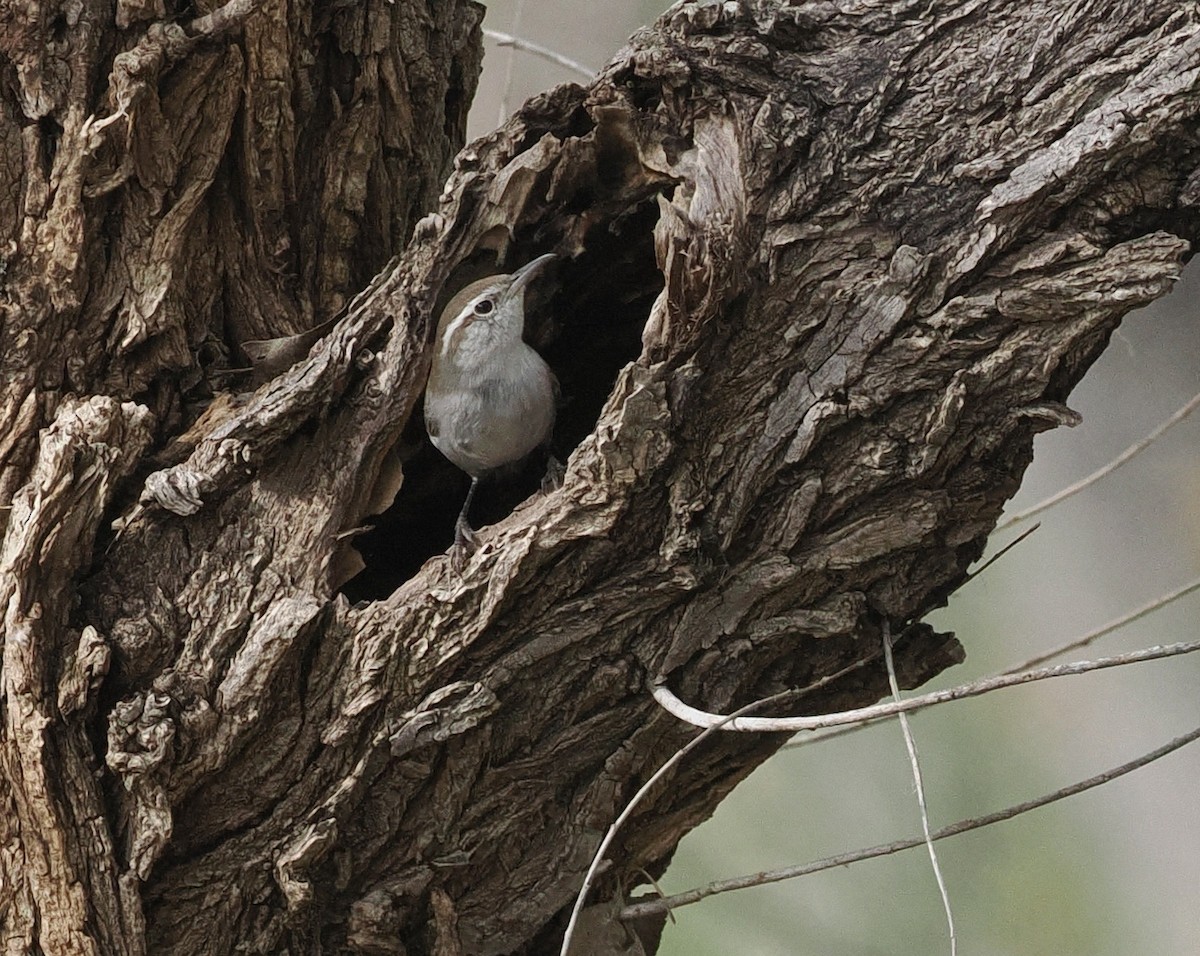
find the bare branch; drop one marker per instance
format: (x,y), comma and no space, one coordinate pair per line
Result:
(510,64)
(1071,645)
(1127,455)
(598,857)
(919,784)
(699,718)
(1002,552)
(528,46)
(649,907)
(1108,628)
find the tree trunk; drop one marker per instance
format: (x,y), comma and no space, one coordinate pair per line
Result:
(825,270)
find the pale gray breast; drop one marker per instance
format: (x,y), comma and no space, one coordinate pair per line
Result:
(500,418)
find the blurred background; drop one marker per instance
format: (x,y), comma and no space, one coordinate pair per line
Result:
(1112,872)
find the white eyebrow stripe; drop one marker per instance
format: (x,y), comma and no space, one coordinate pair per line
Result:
(452,330)
(463,319)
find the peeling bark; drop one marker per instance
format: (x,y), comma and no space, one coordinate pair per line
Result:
(824,273)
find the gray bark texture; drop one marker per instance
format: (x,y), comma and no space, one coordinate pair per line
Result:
(825,269)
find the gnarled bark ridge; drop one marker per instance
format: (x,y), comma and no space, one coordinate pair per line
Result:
(825,270)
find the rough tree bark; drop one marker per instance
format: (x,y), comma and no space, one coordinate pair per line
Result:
(826,268)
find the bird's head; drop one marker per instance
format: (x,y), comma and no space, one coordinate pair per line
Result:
(487,314)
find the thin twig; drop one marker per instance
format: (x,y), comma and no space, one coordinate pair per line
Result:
(699,718)
(637,798)
(1002,552)
(911,744)
(528,46)
(788,696)
(506,89)
(650,907)
(1129,453)
(1108,628)
(1072,645)
(657,889)
(821,736)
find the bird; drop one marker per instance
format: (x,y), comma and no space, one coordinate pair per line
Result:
(490,400)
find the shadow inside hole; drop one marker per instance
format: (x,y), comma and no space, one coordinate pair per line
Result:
(599,312)
(588,329)
(421,522)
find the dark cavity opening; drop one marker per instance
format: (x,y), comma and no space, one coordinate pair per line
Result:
(585,316)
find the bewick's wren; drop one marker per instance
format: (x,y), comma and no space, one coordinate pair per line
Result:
(491,398)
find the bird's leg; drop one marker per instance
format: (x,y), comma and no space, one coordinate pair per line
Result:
(465,539)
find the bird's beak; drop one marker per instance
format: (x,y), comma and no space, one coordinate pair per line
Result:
(528,272)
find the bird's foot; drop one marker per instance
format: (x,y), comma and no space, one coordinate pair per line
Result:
(553,478)
(466,543)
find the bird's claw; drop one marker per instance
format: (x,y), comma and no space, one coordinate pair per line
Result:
(553,478)
(466,543)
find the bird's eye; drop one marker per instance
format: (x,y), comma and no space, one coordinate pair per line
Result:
(483,307)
